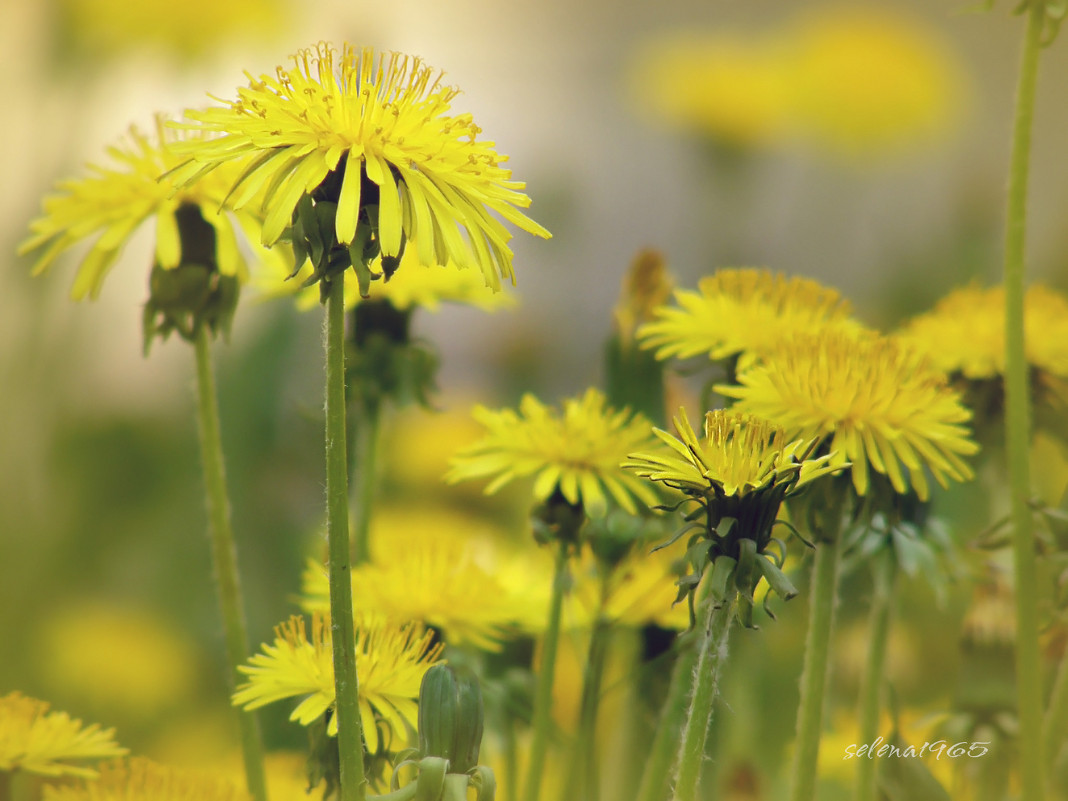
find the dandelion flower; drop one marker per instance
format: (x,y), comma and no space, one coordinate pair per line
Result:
(379,126)
(577,452)
(439,575)
(390,663)
(112,202)
(741,311)
(880,405)
(35,740)
(738,455)
(965,332)
(143,780)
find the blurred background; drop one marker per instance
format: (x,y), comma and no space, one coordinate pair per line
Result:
(860,144)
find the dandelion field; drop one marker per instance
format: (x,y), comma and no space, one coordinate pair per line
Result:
(429,459)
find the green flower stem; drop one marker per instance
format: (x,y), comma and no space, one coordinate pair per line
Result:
(662,752)
(992,779)
(711,657)
(872,684)
(224,554)
(814,674)
(583,780)
(367,430)
(1018,422)
(543,694)
(342,630)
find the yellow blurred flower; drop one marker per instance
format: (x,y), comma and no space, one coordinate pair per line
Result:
(880,405)
(112,202)
(432,568)
(869,81)
(142,780)
(117,658)
(965,332)
(742,312)
(390,663)
(379,124)
(577,453)
(413,285)
(856,82)
(34,740)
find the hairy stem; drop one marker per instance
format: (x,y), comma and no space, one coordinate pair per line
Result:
(543,694)
(224,556)
(1018,422)
(711,657)
(342,630)
(367,430)
(814,674)
(871,687)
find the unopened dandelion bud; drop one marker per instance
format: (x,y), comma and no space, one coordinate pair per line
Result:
(450,717)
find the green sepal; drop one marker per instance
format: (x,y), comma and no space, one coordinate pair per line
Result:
(776,579)
(451,716)
(430,784)
(484,782)
(722,571)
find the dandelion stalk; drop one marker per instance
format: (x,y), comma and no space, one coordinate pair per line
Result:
(814,673)
(583,780)
(1055,730)
(224,553)
(366,432)
(543,694)
(711,656)
(672,717)
(1018,421)
(871,686)
(349,735)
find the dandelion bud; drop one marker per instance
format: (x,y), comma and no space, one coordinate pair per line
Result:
(450,716)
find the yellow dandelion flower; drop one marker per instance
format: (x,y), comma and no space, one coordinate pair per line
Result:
(725,85)
(156,668)
(112,202)
(867,81)
(143,780)
(35,740)
(390,663)
(577,452)
(438,575)
(742,311)
(878,403)
(739,454)
(414,285)
(965,332)
(379,124)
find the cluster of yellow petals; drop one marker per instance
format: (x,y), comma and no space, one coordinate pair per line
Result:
(879,403)
(390,663)
(965,332)
(35,740)
(385,116)
(112,202)
(578,452)
(739,454)
(742,311)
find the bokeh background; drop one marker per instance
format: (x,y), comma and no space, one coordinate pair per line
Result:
(108,609)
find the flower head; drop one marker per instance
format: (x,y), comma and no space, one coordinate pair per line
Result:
(402,169)
(738,455)
(112,202)
(429,568)
(49,743)
(576,453)
(878,403)
(965,332)
(390,662)
(742,311)
(142,780)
